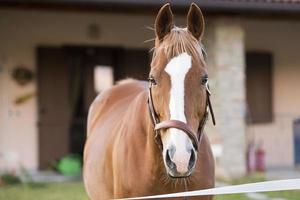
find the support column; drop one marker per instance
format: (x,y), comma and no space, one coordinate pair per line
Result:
(226,62)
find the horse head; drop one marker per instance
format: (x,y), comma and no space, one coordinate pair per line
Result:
(178,79)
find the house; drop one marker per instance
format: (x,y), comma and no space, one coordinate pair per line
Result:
(52,51)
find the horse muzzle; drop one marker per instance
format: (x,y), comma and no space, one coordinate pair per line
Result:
(179,155)
(179,168)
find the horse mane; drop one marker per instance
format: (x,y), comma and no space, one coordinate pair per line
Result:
(179,41)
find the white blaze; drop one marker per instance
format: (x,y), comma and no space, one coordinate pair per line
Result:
(177,69)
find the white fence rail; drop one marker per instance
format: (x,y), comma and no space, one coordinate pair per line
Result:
(267,186)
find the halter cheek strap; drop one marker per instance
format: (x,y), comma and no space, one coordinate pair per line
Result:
(195,137)
(208,103)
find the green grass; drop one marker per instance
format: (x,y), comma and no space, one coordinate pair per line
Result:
(63,191)
(258,177)
(53,191)
(75,191)
(231,197)
(288,195)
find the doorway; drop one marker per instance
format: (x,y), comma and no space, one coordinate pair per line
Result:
(66,87)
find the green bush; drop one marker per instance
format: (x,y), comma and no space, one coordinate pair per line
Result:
(9,179)
(70,165)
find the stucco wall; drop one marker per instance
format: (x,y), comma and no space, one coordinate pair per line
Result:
(20,33)
(281,38)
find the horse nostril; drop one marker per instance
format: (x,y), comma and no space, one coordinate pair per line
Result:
(169,162)
(192,160)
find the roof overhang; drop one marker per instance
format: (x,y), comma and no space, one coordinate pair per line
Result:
(278,7)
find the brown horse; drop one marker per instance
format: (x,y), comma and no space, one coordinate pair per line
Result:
(128,152)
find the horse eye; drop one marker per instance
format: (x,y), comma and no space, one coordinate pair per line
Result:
(204,80)
(152,80)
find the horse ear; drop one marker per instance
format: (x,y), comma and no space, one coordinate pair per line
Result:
(163,21)
(195,21)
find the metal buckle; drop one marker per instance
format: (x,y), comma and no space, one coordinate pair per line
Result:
(207,88)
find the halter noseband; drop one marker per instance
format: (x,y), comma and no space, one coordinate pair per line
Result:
(196,138)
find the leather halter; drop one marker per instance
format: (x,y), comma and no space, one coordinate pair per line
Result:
(195,137)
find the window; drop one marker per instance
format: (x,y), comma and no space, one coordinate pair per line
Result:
(259,87)
(103,78)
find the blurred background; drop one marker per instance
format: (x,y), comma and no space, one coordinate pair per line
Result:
(57,55)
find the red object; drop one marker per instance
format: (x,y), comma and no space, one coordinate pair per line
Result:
(260,159)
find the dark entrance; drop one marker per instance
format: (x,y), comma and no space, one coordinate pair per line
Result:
(259,87)
(66,88)
(297,141)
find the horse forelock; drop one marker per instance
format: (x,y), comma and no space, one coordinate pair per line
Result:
(179,41)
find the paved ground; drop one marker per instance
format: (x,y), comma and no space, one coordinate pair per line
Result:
(48,177)
(259,196)
(282,173)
